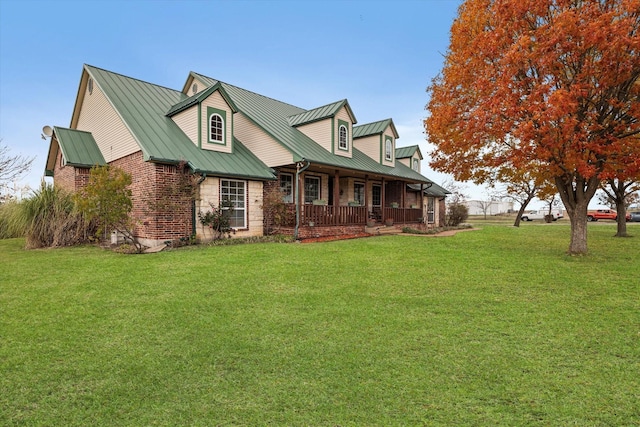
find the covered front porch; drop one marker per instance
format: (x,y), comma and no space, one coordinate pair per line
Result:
(318,196)
(321,215)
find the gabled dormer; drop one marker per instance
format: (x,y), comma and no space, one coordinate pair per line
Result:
(207,118)
(410,157)
(377,140)
(331,126)
(195,84)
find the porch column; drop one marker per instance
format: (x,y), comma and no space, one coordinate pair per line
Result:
(382,197)
(404,195)
(366,192)
(336,188)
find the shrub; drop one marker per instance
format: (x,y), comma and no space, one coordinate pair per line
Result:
(457,213)
(217,219)
(107,200)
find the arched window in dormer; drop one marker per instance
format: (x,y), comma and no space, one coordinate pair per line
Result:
(343,142)
(416,165)
(388,149)
(216,128)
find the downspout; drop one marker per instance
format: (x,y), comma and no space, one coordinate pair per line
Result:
(193,204)
(300,167)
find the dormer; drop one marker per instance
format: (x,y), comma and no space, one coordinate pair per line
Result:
(195,84)
(377,140)
(207,118)
(331,126)
(410,157)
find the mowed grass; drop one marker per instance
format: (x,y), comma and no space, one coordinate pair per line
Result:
(489,327)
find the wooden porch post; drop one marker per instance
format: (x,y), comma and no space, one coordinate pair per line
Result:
(366,199)
(336,196)
(382,197)
(404,201)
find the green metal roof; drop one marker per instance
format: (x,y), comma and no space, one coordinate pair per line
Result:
(78,147)
(320,113)
(273,117)
(406,152)
(199,97)
(374,128)
(432,189)
(143,107)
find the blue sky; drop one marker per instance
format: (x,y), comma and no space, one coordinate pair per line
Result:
(380,55)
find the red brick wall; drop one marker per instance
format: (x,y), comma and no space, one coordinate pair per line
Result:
(149,185)
(69,178)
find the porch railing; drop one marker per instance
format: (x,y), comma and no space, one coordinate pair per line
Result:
(323,215)
(402,215)
(333,215)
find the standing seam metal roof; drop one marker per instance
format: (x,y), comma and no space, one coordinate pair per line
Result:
(78,147)
(273,116)
(143,107)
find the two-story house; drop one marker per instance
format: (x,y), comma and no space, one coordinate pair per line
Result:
(336,175)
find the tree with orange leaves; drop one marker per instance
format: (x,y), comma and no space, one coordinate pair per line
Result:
(546,87)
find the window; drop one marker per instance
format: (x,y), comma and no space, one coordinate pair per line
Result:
(388,149)
(217,125)
(311,189)
(216,129)
(343,143)
(235,192)
(358,193)
(376,195)
(416,165)
(286,186)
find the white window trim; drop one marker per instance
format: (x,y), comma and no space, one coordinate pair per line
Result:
(246,201)
(214,141)
(346,138)
(388,154)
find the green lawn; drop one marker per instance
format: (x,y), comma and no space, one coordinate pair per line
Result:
(489,327)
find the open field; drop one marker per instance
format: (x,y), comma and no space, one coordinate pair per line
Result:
(489,327)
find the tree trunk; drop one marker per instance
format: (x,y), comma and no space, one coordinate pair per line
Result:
(576,192)
(523,207)
(578,218)
(622,220)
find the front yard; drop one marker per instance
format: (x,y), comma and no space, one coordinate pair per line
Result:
(489,327)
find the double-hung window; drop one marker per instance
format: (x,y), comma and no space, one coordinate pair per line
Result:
(235,192)
(311,188)
(286,187)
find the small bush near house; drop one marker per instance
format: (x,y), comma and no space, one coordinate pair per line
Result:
(107,200)
(217,219)
(457,213)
